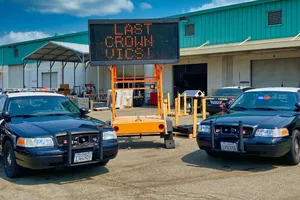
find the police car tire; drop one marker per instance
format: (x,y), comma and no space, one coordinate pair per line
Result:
(293,157)
(14,170)
(103,163)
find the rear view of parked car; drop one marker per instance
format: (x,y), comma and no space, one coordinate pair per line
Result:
(223,95)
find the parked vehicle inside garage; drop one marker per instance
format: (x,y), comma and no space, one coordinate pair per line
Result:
(46,130)
(261,122)
(223,95)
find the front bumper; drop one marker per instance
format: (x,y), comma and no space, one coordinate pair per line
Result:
(265,147)
(44,158)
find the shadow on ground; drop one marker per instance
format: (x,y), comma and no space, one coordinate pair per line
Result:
(140,143)
(231,163)
(54,176)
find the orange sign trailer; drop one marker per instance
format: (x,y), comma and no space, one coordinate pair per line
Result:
(146,124)
(136,42)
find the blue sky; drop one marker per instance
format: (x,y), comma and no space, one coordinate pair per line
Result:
(32,19)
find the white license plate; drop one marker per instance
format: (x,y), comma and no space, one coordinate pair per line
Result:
(228,146)
(83,157)
(215,102)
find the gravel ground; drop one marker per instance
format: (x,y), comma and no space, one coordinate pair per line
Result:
(143,169)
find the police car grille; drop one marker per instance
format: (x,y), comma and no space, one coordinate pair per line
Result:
(78,138)
(233,130)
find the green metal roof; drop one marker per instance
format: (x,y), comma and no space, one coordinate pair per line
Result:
(229,7)
(45,39)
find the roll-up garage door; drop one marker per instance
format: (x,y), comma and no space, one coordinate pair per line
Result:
(46,79)
(15,76)
(276,72)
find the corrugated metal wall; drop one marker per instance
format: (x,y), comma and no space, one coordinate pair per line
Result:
(238,23)
(26,48)
(219,26)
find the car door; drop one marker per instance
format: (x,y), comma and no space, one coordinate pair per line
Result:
(3,99)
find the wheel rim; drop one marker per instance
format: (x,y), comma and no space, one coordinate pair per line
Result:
(7,159)
(296,148)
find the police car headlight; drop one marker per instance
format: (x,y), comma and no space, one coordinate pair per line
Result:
(109,135)
(35,142)
(276,132)
(204,128)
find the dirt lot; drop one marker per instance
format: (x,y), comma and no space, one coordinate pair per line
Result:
(145,170)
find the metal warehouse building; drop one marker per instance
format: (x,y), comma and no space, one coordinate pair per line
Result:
(255,43)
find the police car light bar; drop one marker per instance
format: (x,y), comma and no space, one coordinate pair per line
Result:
(9,90)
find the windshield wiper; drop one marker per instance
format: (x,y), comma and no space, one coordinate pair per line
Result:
(239,107)
(25,115)
(55,114)
(264,108)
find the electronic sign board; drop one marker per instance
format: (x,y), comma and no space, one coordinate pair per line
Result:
(134,41)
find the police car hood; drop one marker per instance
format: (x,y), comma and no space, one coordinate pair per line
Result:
(254,118)
(51,125)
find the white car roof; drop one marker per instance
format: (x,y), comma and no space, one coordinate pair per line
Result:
(26,94)
(275,89)
(235,87)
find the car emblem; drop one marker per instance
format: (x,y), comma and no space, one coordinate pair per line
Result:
(233,130)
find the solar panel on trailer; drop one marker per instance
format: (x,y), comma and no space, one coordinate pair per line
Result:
(121,42)
(192,93)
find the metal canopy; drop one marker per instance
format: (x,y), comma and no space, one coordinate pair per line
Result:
(60,51)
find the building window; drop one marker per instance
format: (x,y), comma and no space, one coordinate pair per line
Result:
(16,52)
(275,17)
(189,29)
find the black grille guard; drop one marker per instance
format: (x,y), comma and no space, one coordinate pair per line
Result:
(70,148)
(240,136)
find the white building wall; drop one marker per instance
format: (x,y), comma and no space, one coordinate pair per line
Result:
(242,63)
(31,74)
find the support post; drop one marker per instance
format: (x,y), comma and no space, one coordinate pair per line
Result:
(203,108)
(63,65)
(169,104)
(184,104)
(179,104)
(91,105)
(176,111)
(84,67)
(24,65)
(38,63)
(51,65)
(113,73)
(195,118)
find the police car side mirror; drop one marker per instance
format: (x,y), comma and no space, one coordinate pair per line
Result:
(6,115)
(297,106)
(84,111)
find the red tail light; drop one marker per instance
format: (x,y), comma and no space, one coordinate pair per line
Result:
(161,126)
(231,100)
(116,128)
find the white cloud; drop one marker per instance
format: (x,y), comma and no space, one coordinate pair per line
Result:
(145,6)
(80,8)
(13,37)
(218,3)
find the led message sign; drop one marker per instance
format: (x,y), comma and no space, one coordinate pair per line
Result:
(122,42)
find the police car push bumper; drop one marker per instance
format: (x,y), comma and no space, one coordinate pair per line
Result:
(50,157)
(263,144)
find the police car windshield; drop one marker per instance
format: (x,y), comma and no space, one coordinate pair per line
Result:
(228,92)
(41,105)
(265,100)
